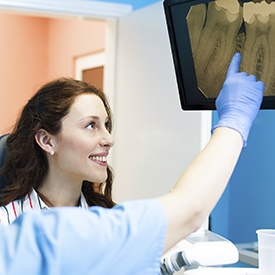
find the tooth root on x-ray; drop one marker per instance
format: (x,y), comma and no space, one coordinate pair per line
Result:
(239,43)
(259,52)
(224,32)
(215,48)
(195,20)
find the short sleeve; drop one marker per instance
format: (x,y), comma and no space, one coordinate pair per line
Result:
(127,239)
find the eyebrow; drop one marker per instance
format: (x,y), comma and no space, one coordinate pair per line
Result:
(95,118)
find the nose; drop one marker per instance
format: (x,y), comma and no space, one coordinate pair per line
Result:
(107,140)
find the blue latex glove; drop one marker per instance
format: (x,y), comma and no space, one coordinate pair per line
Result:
(239,100)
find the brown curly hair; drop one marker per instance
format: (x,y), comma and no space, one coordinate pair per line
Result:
(26,163)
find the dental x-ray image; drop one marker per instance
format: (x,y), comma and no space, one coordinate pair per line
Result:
(204,35)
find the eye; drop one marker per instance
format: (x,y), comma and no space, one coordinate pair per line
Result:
(91,125)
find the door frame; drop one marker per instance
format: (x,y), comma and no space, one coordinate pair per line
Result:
(90,61)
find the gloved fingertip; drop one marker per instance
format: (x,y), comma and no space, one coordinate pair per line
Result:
(237,55)
(234,64)
(262,84)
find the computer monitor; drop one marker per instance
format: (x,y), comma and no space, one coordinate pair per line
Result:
(205,34)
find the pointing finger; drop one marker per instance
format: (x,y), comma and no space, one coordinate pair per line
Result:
(234,64)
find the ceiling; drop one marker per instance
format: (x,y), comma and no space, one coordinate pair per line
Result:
(136,4)
(84,8)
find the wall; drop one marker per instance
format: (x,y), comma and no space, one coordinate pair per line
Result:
(23,62)
(155,139)
(248,203)
(71,38)
(35,50)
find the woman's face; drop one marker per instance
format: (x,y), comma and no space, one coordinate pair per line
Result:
(82,146)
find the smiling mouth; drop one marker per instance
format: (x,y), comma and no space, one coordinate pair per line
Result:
(102,159)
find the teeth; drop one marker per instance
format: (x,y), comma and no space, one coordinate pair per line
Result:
(99,158)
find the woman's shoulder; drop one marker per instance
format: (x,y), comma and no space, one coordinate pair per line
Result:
(11,211)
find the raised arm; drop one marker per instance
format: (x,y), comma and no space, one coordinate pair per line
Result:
(203,182)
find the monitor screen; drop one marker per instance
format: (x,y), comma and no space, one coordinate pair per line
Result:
(204,35)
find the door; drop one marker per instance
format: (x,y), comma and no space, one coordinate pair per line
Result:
(90,68)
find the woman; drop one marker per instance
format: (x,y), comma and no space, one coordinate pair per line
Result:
(57,152)
(130,238)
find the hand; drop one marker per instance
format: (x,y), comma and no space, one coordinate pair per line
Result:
(239,100)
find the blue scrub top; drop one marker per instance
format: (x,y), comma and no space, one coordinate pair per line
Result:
(127,239)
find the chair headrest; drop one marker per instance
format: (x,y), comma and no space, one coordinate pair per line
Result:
(3,149)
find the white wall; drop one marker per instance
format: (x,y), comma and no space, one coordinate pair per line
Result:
(155,139)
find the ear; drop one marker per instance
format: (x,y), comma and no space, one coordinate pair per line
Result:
(44,140)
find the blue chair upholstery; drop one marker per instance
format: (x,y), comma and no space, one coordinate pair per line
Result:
(3,150)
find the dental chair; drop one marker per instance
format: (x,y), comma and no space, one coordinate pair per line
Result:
(3,150)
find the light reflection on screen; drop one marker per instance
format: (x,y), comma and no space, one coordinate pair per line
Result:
(220,28)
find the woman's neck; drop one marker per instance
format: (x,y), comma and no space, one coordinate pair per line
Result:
(54,193)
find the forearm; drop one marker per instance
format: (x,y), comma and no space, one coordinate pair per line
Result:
(201,185)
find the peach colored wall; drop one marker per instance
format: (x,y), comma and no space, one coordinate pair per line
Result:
(35,50)
(23,62)
(70,38)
